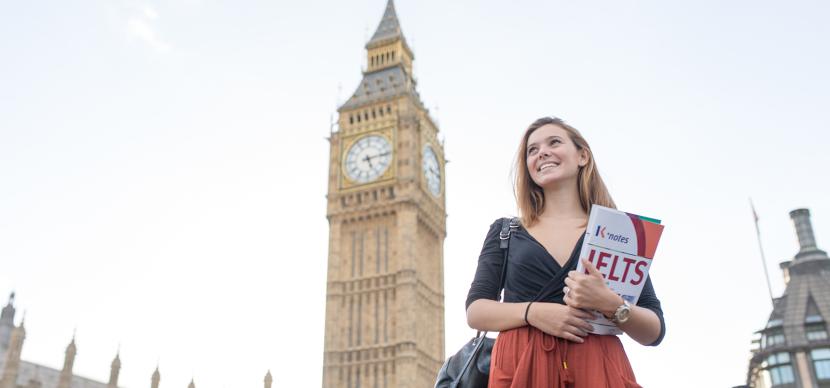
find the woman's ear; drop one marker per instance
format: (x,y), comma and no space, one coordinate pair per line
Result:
(583,157)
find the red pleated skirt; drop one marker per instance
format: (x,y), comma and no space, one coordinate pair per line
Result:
(526,357)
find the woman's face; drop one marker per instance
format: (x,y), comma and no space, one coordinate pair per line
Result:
(552,157)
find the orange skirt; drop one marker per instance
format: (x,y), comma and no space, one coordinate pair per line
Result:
(526,357)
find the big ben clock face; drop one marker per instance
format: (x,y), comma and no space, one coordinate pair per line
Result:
(368,158)
(432,171)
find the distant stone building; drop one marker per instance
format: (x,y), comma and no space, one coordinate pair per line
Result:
(17,373)
(794,348)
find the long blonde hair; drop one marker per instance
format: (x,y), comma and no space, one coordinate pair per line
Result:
(530,198)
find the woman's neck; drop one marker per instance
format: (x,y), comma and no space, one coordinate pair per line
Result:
(562,202)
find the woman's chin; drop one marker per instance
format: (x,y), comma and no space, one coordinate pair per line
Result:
(554,182)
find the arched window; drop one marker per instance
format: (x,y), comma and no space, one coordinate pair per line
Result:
(351,119)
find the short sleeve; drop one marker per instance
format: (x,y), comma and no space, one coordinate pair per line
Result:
(648,299)
(486,281)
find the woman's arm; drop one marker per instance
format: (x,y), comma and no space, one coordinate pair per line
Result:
(552,318)
(643,325)
(489,315)
(589,291)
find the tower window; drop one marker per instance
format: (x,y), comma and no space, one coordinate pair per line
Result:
(393,55)
(358,117)
(772,338)
(780,368)
(388,109)
(366,116)
(373,114)
(351,119)
(816,331)
(821,362)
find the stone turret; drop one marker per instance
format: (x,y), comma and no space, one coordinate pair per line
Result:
(6,324)
(268,379)
(154,383)
(11,368)
(65,380)
(115,369)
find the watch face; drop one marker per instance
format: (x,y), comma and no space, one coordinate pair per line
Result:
(432,171)
(368,158)
(622,313)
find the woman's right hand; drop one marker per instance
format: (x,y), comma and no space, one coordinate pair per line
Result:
(560,320)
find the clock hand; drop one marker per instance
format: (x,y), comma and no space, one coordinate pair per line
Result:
(368,159)
(378,155)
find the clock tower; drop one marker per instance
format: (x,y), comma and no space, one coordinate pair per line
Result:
(387,224)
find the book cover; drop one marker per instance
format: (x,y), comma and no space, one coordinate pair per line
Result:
(621,246)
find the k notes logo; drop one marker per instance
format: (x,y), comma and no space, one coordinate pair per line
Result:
(611,236)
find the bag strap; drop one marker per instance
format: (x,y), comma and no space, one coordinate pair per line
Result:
(507,228)
(508,225)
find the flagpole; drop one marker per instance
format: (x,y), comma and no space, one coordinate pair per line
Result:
(761,248)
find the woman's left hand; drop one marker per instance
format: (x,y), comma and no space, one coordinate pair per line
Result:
(589,291)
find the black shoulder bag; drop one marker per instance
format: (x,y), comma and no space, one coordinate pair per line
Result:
(470,366)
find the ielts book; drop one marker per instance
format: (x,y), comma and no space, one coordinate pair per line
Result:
(621,246)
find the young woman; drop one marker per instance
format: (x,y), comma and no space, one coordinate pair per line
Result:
(544,339)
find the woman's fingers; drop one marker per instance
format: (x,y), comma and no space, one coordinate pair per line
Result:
(581,313)
(572,337)
(577,330)
(584,325)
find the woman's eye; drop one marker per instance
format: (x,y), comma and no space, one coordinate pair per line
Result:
(554,141)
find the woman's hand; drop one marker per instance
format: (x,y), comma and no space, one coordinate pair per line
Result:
(590,291)
(559,320)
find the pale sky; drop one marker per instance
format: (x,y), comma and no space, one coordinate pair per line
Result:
(163,165)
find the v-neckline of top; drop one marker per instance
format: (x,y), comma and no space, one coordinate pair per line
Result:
(573,250)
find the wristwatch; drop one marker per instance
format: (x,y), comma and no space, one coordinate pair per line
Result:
(622,313)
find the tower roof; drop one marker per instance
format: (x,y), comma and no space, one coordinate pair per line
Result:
(806,299)
(389,28)
(381,86)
